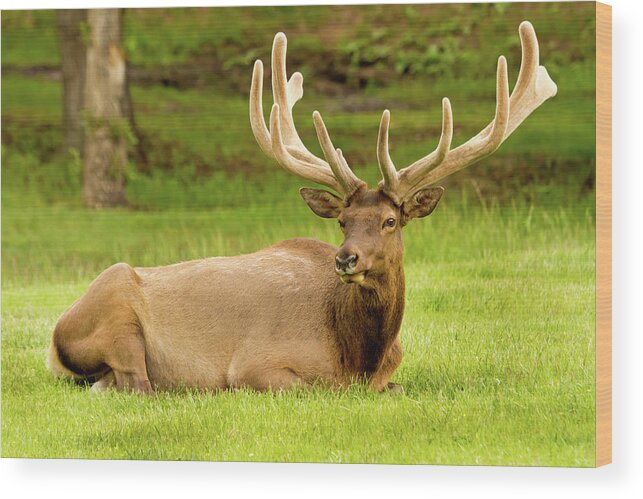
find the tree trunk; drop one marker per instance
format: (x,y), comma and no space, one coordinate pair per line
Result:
(107,130)
(73,61)
(139,151)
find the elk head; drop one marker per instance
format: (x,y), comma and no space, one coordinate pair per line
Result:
(372,219)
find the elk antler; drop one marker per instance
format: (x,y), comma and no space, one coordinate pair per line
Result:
(282,141)
(533,87)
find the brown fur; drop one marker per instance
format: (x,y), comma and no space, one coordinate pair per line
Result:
(366,322)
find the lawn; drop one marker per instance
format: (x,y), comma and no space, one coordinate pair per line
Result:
(498,333)
(499,323)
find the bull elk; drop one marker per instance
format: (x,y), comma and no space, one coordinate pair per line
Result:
(300,311)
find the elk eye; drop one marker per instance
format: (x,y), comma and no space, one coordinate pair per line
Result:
(390,222)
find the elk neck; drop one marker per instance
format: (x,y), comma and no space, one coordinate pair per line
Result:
(365,320)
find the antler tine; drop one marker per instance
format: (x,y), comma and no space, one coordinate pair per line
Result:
(417,170)
(397,184)
(295,165)
(294,91)
(281,141)
(286,93)
(533,87)
(344,175)
(390,176)
(257,121)
(489,139)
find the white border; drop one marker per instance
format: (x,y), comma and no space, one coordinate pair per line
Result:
(623,478)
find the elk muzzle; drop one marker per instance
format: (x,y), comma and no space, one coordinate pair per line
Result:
(346,266)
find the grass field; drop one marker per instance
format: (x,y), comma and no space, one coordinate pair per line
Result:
(498,333)
(499,322)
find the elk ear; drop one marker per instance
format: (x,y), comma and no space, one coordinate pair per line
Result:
(422,203)
(323,203)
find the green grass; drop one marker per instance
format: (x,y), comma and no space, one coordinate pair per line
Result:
(498,333)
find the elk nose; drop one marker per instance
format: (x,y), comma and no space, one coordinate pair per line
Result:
(345,264)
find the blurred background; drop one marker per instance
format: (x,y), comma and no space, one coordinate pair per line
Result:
(186,130)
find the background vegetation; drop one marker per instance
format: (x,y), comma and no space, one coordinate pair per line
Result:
(499,325)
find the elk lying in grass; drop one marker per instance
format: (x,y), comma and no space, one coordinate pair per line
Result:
(299,311)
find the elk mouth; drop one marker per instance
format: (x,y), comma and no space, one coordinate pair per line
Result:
(355,278)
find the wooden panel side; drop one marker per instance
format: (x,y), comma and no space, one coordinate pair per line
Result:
(603,234)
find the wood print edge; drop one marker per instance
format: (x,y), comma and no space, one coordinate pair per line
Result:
(603,234)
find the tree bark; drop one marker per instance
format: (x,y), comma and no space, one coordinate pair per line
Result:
(73,63)
(139,151)
(107,129)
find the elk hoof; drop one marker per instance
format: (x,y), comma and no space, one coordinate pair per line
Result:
(100,387)
(394,389)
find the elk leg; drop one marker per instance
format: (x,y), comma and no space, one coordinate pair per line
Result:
(392,360)
(127,360)
(132,381)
